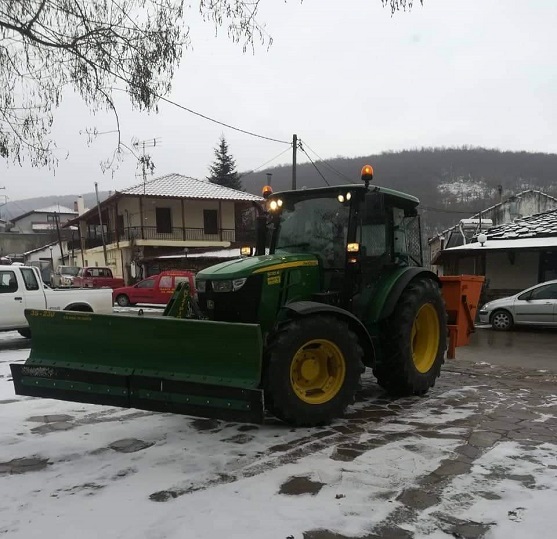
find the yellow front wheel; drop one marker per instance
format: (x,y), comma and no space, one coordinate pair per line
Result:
(317,371)
(312,370)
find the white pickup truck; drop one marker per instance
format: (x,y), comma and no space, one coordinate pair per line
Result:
(21,287)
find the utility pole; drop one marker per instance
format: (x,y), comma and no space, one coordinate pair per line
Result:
(101,223)
(294,148)
(57,219)
(5,199)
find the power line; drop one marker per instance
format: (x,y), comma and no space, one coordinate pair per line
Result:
(251,133)
(264,164)
(338,173)
(314,165)
(204,116)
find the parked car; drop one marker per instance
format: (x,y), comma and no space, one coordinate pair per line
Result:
(21,287)
(156,289)
(97,277)
(63,276)
(536,305)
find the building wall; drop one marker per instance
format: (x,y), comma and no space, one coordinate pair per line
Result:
(193,212)
(17,244)
(505,274)
(25,224)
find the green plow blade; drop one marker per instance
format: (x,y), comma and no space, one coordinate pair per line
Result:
(194,367)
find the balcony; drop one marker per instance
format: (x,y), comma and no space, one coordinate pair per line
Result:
(176,234)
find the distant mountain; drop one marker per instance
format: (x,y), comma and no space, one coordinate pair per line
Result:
(14,208)
(451,183)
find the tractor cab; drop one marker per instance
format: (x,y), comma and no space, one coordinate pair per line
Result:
(357,234)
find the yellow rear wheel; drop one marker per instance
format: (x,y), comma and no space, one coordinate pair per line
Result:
(317,371)
(425,337)
(413,340)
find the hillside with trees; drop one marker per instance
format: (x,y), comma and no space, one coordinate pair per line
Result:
(451,183)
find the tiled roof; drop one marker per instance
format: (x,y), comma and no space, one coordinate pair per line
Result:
(540,225)
(178,186)
(490,208)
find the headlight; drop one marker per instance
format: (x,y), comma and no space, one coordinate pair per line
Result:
(228,286)
(200,285)
(485,307)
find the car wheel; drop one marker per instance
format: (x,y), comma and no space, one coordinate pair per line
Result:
(501,320)
(123,300)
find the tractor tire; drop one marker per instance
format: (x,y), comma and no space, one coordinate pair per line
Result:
(414,341)
(312,370)
(123,300)
(502,320)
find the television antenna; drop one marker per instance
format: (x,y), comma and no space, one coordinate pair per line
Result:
(145,159)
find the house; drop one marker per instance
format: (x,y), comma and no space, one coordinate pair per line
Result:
(513,256)
(163,216)
(527,202)
(42,221)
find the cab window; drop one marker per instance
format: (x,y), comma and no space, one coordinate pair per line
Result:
(165,282)
(30,279)
(545,292)
(8,282)
(147,283)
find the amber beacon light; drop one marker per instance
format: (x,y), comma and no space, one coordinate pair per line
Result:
(367,173)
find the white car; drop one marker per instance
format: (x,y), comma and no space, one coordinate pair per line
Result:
(21,288)
(536,305)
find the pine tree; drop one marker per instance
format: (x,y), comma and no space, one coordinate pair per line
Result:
(223,170)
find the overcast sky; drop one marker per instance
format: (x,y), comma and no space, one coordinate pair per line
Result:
(346,77)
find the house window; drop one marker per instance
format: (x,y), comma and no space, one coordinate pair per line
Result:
(210,221)
(164,220)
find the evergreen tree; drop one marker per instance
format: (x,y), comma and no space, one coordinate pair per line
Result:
(223,170)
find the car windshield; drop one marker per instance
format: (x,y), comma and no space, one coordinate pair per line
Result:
(318,226)
(69,270)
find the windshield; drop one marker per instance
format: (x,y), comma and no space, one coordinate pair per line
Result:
(69,270)
(318,226)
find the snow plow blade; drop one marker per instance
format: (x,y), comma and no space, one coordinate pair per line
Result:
(164,364)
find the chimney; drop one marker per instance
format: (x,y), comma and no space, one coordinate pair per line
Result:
(80,205)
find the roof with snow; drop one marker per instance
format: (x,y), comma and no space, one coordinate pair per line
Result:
(55,208)
(537,231)
(490,208)
(540,225)
(179,186)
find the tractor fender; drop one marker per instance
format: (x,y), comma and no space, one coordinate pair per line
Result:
(305,308)
(401,283)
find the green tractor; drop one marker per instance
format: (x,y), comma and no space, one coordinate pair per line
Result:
(341,288)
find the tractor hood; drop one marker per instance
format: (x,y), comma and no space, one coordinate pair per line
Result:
(244,267)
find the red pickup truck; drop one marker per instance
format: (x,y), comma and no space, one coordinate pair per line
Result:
(96,277)
(156,289)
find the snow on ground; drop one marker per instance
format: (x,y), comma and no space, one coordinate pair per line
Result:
(522,486)
(103,471)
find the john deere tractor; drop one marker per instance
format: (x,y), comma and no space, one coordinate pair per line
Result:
(341,288)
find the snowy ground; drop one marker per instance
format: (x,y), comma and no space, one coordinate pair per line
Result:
(477,457)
